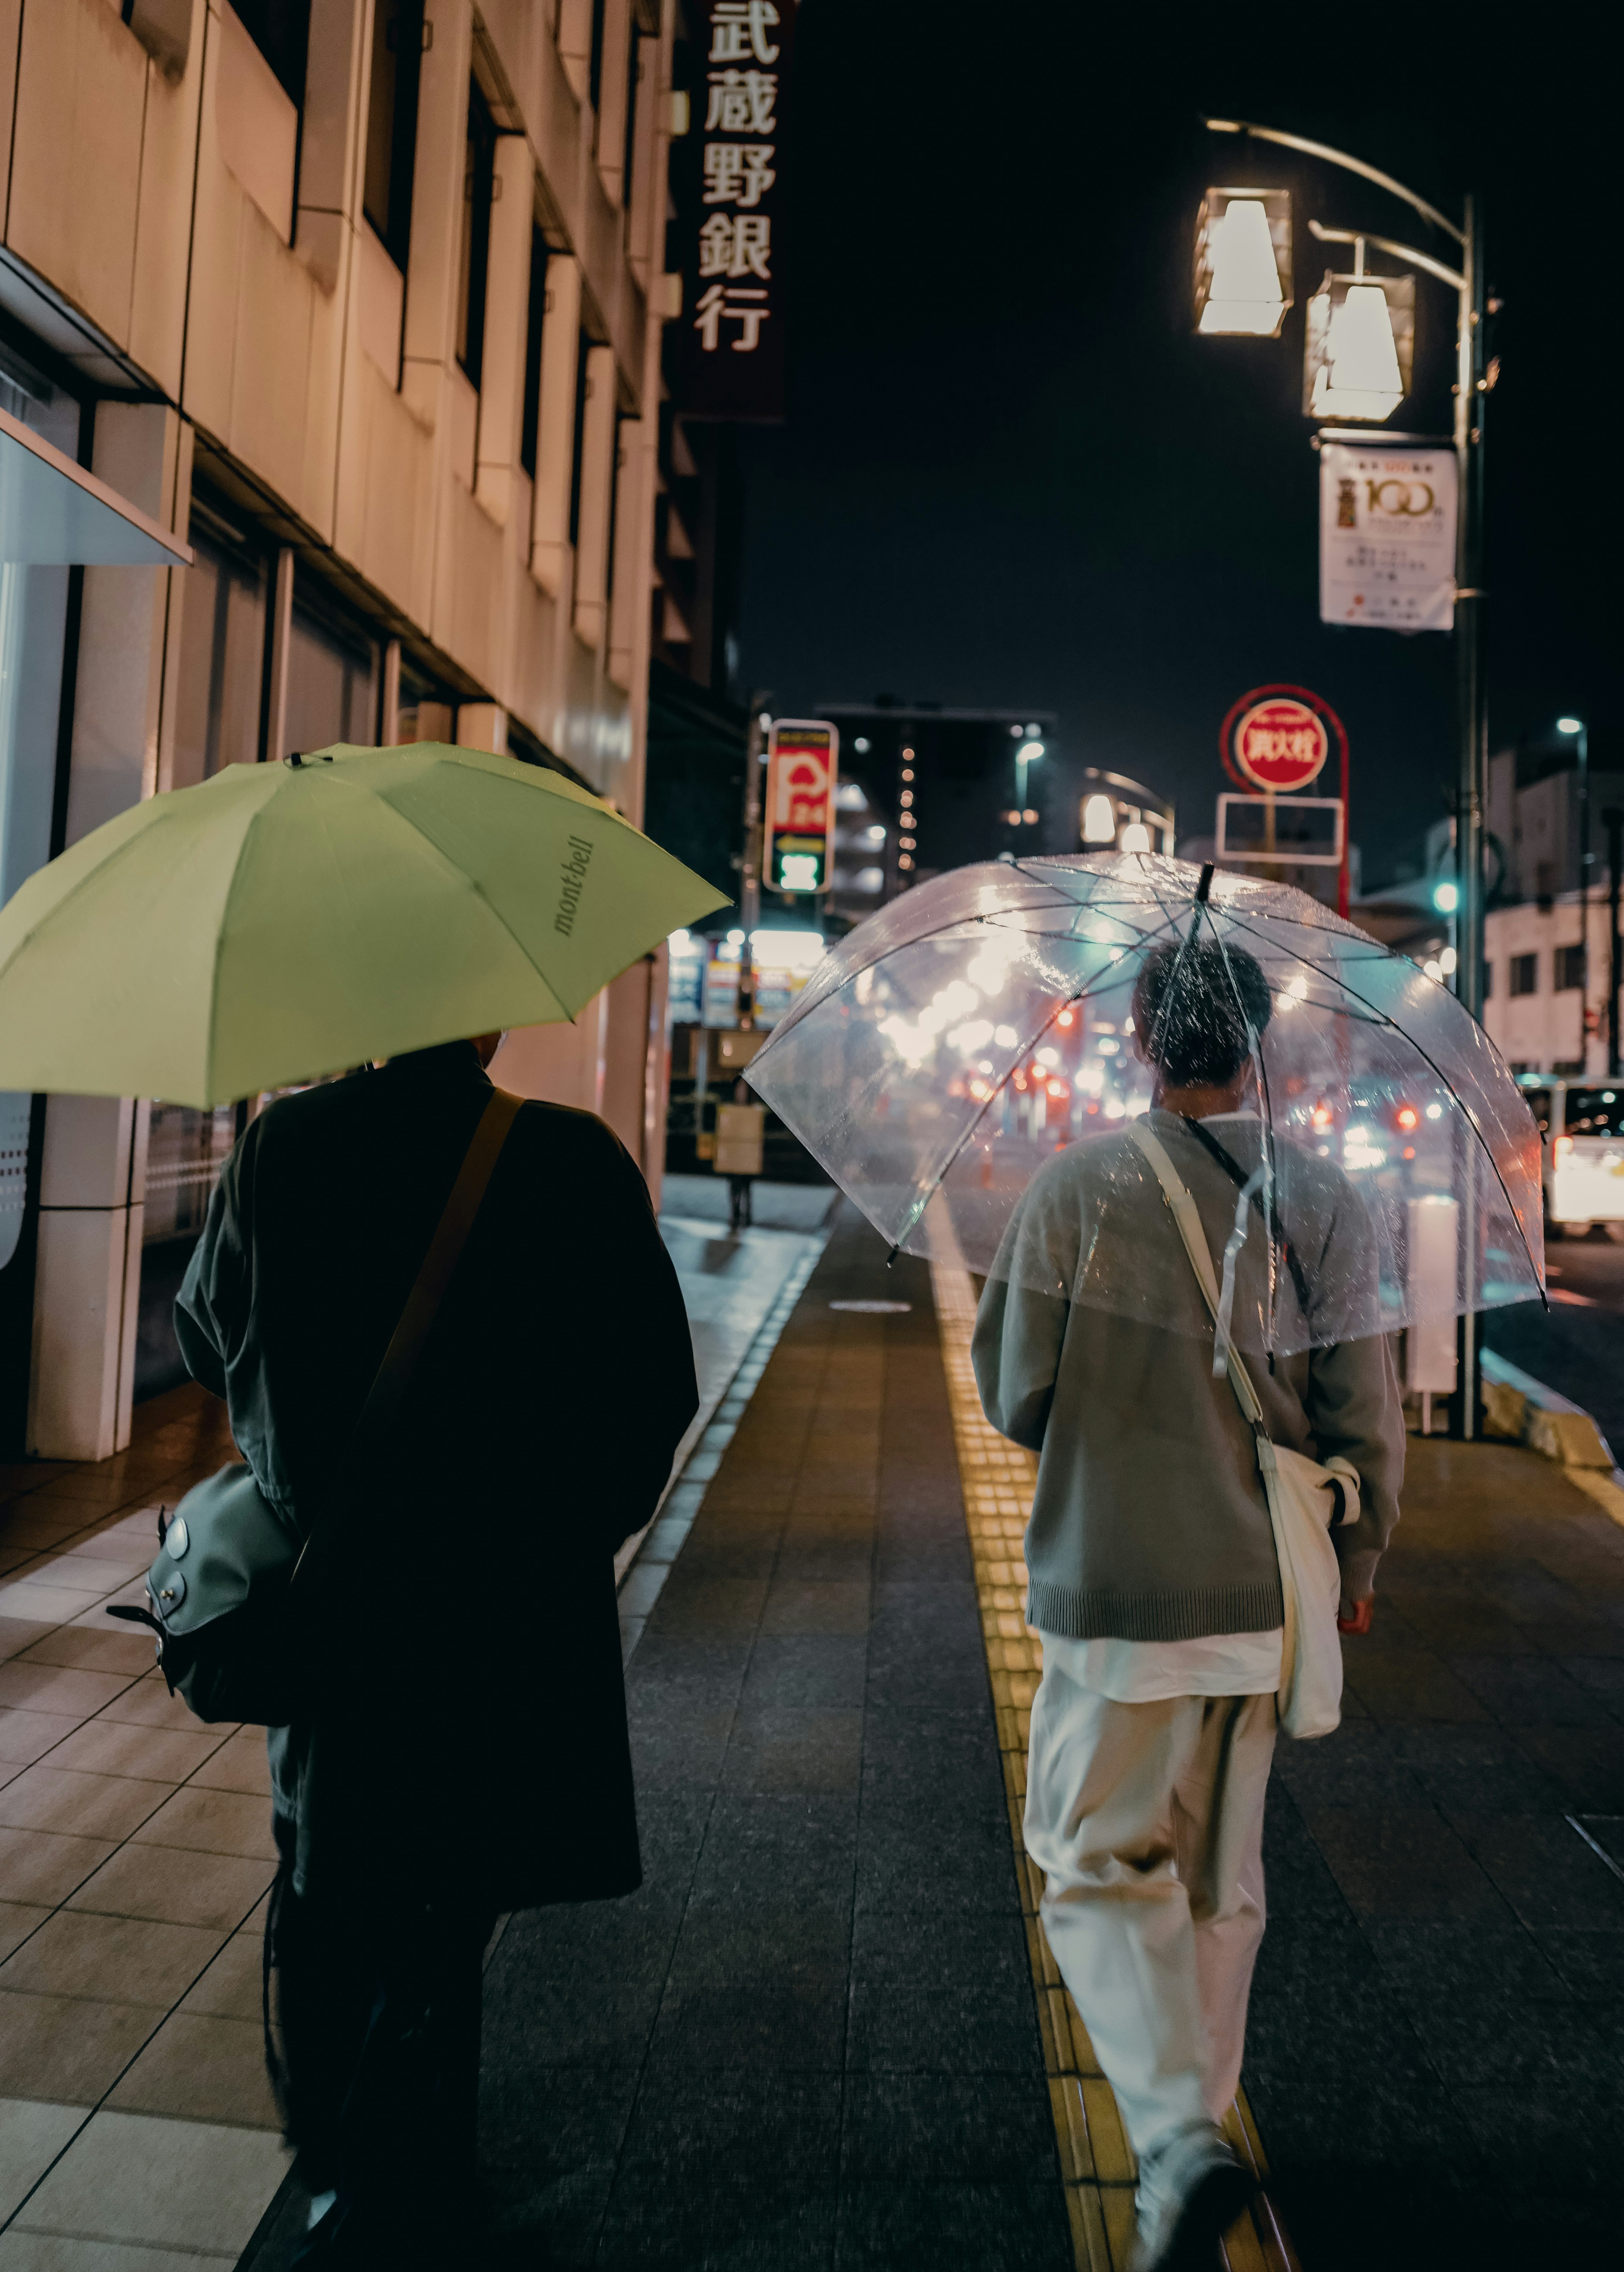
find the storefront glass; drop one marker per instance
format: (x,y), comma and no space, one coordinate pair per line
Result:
(34,604)
(331,684)
(222,654)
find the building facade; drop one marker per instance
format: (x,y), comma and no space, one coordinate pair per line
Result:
(363,300)
(1548,972)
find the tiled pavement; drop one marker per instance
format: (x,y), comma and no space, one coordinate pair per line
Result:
(137,2129)
(1436,2055)
(137,2132)
(812,2037)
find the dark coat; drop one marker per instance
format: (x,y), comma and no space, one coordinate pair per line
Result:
(471,1735)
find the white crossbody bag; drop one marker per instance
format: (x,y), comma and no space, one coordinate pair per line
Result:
(1303,1502)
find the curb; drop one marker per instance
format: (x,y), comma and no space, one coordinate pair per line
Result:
(1523,1409)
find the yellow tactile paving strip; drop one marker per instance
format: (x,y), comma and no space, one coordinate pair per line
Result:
(997,1477)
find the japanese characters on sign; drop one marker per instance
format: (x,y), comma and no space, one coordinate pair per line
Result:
(803,755)
(731,346)
(1386,537)
(1280,744)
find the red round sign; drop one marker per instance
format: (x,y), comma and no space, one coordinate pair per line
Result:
(1280,745)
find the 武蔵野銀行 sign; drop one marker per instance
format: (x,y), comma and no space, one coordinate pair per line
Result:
(803,756)
(728,174)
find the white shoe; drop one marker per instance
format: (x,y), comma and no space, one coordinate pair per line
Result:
(1189,2193)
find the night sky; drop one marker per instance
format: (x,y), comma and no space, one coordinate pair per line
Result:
(1012,475)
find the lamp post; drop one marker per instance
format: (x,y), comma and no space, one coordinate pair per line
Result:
(1575,730)
(1613,821)
(1471,387)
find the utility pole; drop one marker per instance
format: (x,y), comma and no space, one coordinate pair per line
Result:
(1471,388)
(1472,748)
(1613,821)
(750,871)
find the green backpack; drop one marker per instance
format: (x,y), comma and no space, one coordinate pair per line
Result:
(230,1596)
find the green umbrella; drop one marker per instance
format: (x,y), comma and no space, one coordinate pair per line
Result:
(283,921)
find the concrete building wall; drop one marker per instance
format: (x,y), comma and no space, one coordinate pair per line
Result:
(192,243)
(1555,1028)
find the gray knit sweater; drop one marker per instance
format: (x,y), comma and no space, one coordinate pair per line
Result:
(1093,1346)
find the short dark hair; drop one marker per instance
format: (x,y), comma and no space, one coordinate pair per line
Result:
(1193,1006)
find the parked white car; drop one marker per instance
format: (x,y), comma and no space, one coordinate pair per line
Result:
(1581,1123)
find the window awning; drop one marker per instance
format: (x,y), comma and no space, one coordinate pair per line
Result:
(55,515)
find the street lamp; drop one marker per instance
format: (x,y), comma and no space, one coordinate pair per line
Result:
(1243,262)
(1359,345)
(1028,754)
(1471,385)
(1099,820)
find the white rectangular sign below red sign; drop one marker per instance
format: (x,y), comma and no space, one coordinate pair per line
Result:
(802,760)
(1386,537)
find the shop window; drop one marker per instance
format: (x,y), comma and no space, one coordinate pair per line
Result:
(185,1151)
(332,676)
(398,34)
(219,701)
(280,29)
(474,267)
(583,349)
(1525,973)
(1569,969)
(535,318)
(595,68)
(628,157)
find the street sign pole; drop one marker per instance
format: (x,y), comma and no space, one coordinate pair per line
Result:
(750,868)
(1472,782)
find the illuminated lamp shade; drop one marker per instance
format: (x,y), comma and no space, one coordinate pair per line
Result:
(1099,821)
(1358,347)
(1135,837)
(1243,262)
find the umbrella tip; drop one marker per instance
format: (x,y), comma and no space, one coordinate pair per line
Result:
(1204,887)
(294,758)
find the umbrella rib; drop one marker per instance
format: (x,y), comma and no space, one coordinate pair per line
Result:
(804,1007)
(946,1170)
(1385,1018)
(479,892)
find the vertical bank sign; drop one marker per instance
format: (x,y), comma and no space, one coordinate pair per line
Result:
(803,755)
(731,354)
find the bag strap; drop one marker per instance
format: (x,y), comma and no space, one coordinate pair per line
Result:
(1237,1174)
(1188,1216)
(389,1383)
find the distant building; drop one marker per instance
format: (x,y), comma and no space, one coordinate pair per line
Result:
(1548,959)
(923,789)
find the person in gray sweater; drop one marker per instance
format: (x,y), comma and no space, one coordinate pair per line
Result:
(1153,1581)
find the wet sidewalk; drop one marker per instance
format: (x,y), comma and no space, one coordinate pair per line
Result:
(811,2038)
(826,2031)
(138,2133)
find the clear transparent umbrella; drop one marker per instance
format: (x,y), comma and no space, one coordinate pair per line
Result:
(951,1046)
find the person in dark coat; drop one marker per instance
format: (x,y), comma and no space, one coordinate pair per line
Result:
(467,1753)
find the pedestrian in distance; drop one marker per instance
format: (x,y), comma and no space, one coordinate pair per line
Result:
(1154,1581)
(465,1750)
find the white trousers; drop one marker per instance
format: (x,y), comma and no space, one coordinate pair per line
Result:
(1146,1822)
